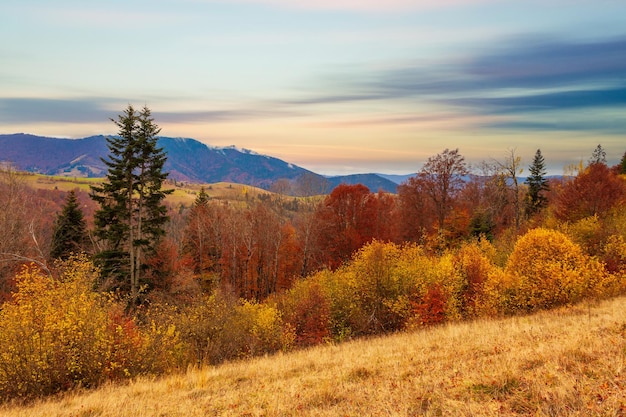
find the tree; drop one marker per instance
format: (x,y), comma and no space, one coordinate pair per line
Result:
(346,219)
(598,156)
(594,192)
(25,227)
(201,237)
(131,217)
(442,177)
(70,230)
(415,211)
(622,165)
(537,184)
(511,168)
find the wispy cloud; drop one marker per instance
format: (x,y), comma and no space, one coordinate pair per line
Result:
(510,85)
(522,76)
(365,5)
(45,110)
(219,115)
(101,109)
(574,99)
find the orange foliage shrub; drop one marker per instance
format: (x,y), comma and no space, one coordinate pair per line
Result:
(473,266)
(431,308)
(546,269)
(307,311)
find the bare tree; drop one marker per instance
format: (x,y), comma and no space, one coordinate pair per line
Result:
(442,177)
(511,167)
(20,224)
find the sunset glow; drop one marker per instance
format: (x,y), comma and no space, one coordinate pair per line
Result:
(337,87)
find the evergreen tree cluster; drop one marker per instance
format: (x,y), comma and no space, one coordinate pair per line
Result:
(132,213)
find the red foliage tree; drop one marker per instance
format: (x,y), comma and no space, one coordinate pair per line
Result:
(594,191)
(416,212)
(347,219)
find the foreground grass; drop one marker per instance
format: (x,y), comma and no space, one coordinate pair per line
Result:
(565,362)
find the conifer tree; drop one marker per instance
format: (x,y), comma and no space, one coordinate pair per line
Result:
(132,215)
(537,184)
(202,199)
(598,156)
(70,230)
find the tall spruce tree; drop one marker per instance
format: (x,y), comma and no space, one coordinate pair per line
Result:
(131,217)
(537,184)
(69,235)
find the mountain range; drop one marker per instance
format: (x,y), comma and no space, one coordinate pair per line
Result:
(187,160)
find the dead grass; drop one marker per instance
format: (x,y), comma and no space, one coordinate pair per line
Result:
(565,362)
(184,193)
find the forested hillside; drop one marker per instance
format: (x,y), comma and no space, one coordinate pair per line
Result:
(234,278)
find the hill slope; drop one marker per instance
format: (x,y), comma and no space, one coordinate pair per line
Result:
(565,362)
(188,160)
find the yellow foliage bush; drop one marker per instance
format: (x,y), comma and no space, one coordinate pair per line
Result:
(54,333)
(58,334)
(546,269)
(382,286)
(221,327)
(266,333)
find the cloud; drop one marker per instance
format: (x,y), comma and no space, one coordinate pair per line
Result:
(613,126)
(218,115)
(374,6)
(522,76)
(517,64)
(44,110)
(536,63)
(101,109)
(575,99)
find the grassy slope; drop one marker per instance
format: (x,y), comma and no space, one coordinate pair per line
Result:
(183,194)
(565,362)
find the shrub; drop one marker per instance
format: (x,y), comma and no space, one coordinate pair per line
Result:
(306,311)
(264,326)
(429,309)
(473,268)
(382,286)
(546,269)
(209,328)
(57,334)
(221,327)
(54,333)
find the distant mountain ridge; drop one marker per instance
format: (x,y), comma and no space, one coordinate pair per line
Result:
(188,160)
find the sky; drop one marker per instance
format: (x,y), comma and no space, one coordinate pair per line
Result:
(334,86)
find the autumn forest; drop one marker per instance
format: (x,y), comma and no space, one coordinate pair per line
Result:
(216,278)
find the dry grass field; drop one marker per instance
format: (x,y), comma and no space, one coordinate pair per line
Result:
(560,363)
(184,193)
